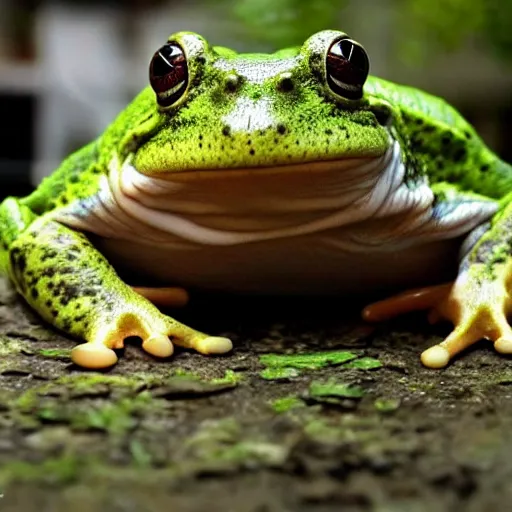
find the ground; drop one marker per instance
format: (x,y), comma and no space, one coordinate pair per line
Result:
(313,411)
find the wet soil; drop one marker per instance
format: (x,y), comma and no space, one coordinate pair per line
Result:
(201,433)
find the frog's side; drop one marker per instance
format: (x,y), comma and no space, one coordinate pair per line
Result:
(265,173)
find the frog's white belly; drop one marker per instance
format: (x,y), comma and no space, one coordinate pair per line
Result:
(347,226)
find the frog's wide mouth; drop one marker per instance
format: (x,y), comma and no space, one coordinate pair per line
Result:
(361,165)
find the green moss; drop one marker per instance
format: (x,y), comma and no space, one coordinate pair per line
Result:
(286,403)
(249,453)
(115,418)
(230,377)
(334,389)
(312,361)
(141,457)
(364,363)
(58,470)
(279,373)
(10,346)
(386,405)
(55,353)
(86,381)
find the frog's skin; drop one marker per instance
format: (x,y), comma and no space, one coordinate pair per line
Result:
(266,174)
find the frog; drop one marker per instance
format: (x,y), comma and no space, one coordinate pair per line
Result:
(289,173)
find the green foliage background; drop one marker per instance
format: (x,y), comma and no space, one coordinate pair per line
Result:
(422,26)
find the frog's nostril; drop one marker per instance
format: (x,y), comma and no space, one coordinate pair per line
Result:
(285,82)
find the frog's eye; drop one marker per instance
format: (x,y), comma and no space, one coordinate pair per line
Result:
(347,67)
(168,74)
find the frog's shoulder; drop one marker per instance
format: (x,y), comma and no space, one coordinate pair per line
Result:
(419,106)
(440,137)
(75,178)
(78,176)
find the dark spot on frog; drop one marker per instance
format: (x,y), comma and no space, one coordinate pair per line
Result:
(200,137)
(484,167)
(281,129)
(48,254)
(226,131)
(34,293)
(48,303)
(73,179)
(251,152)
(460,154)
(446,139)
(18,259)
(328,131)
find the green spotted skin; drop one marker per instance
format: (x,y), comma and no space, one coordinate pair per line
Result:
(238,111)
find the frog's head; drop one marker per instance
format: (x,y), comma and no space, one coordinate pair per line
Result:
(210,108)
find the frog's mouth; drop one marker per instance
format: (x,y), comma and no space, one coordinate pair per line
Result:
(370,203)
(233,206)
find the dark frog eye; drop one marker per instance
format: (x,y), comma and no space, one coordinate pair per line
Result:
(168,74)
(347,68)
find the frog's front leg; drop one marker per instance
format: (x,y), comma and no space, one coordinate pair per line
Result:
(62,276)
(478,303)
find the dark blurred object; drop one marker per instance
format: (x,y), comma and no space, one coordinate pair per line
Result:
(17,148)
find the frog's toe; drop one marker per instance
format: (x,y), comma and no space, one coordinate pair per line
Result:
(214,345)
(205,344)
(158,345)
(503,345)
(94,356)
(440,355)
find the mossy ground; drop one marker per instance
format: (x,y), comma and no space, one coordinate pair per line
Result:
(197,433)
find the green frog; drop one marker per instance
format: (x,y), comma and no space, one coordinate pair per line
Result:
(287,173)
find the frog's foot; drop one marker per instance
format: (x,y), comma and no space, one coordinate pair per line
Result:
(155,333)
(476,304)
(164,297)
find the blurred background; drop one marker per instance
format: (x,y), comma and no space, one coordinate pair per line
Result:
(68,67)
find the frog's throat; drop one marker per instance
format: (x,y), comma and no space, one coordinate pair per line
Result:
(369,200)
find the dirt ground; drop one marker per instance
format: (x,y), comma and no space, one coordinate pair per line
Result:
(353,423)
